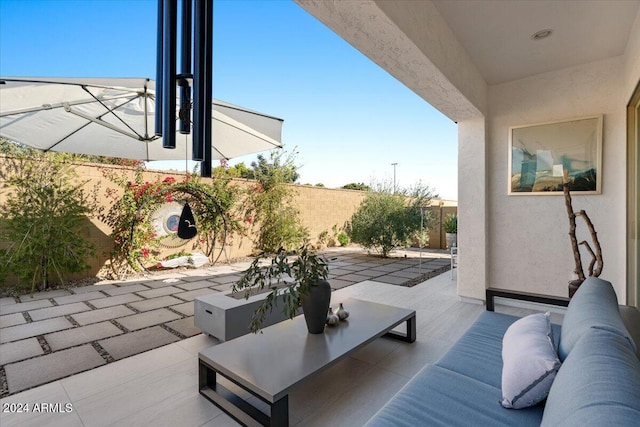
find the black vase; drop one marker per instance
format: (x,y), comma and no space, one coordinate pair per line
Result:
(315,306)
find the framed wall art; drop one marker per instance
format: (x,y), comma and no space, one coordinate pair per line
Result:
(540,153)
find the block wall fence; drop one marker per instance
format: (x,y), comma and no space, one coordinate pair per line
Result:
(320,210)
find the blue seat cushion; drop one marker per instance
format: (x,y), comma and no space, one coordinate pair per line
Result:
(439,397)
(597,385)
(478,353)
(594,305)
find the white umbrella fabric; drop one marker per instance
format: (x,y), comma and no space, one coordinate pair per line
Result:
(115,117)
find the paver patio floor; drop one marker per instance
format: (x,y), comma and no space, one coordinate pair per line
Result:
(59,333)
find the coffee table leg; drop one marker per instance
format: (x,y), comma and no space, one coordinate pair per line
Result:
(238,408)
(280,413)
(410,336)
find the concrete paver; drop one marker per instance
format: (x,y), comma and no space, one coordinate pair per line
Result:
(44,295)
(392,280)
(102,314)
(190,286)
(191,295)
(165,316)
(92,288)
(149,318)
(184,326)
(186,308)
(137,342)
(159,292)
(126,290)
(12,320)
(7,301)
(59,310)
(24,306)
(111,301)
(81,335)
(19,350)
(50,367)
(15,333)
(85,296)
(151,304)
(223,280)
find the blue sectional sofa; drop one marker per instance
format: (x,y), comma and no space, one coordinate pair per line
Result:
(597,384)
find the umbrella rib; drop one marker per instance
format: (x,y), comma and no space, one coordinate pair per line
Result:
(109,110)
(58,105)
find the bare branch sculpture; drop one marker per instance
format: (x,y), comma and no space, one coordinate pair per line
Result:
(596,256)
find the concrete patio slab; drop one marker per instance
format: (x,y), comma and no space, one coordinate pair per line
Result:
(137,342)
(92,288)
(185,308)
(150,318)
(40,370)
(184,326)
(223,287)
(151,304)
(44,295)
(19,350)
(127,289)
(190,286)
(111,301)
(102,314)
(80,335)
(15,333)
(393,280)
(409,274)
(86,296)
(159,292)
(369,274)
(339,284)
(24,306)
(223,280)
(7,301)
(355,277)
(155,284)
(191,295)
(60,310)
(12,320)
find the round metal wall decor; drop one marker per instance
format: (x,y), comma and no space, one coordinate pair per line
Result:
(165,221)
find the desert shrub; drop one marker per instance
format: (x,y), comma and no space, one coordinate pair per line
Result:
(386,219)
(343,239)
(271,206)
(43,221)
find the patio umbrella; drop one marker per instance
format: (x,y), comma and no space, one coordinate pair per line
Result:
(115,117)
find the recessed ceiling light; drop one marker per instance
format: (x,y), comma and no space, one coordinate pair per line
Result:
(542,34)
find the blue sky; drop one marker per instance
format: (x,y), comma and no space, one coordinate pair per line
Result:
(346,117)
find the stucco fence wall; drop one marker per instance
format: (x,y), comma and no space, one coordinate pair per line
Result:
(320,210)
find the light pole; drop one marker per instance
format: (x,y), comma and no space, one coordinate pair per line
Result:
(394,176)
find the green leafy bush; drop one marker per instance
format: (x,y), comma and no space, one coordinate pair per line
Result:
(450,223)
(272,206)
(43,221)
(386,219)
(343,239)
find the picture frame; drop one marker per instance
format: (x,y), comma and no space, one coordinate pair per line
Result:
(539,154)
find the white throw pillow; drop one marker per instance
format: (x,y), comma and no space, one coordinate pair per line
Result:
(530,361)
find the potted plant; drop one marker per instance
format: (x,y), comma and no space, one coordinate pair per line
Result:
(295,284)
(450,225)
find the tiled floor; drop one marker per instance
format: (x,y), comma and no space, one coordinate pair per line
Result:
(98,324)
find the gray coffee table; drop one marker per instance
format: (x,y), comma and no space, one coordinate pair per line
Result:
(270,364)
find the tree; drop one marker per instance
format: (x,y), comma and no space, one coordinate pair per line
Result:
(386,220)
(357,186)
(272,204)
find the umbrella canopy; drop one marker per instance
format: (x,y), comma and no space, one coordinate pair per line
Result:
(115,118)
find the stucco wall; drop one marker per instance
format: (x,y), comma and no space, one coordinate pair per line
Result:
(529,247)
(320,210)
